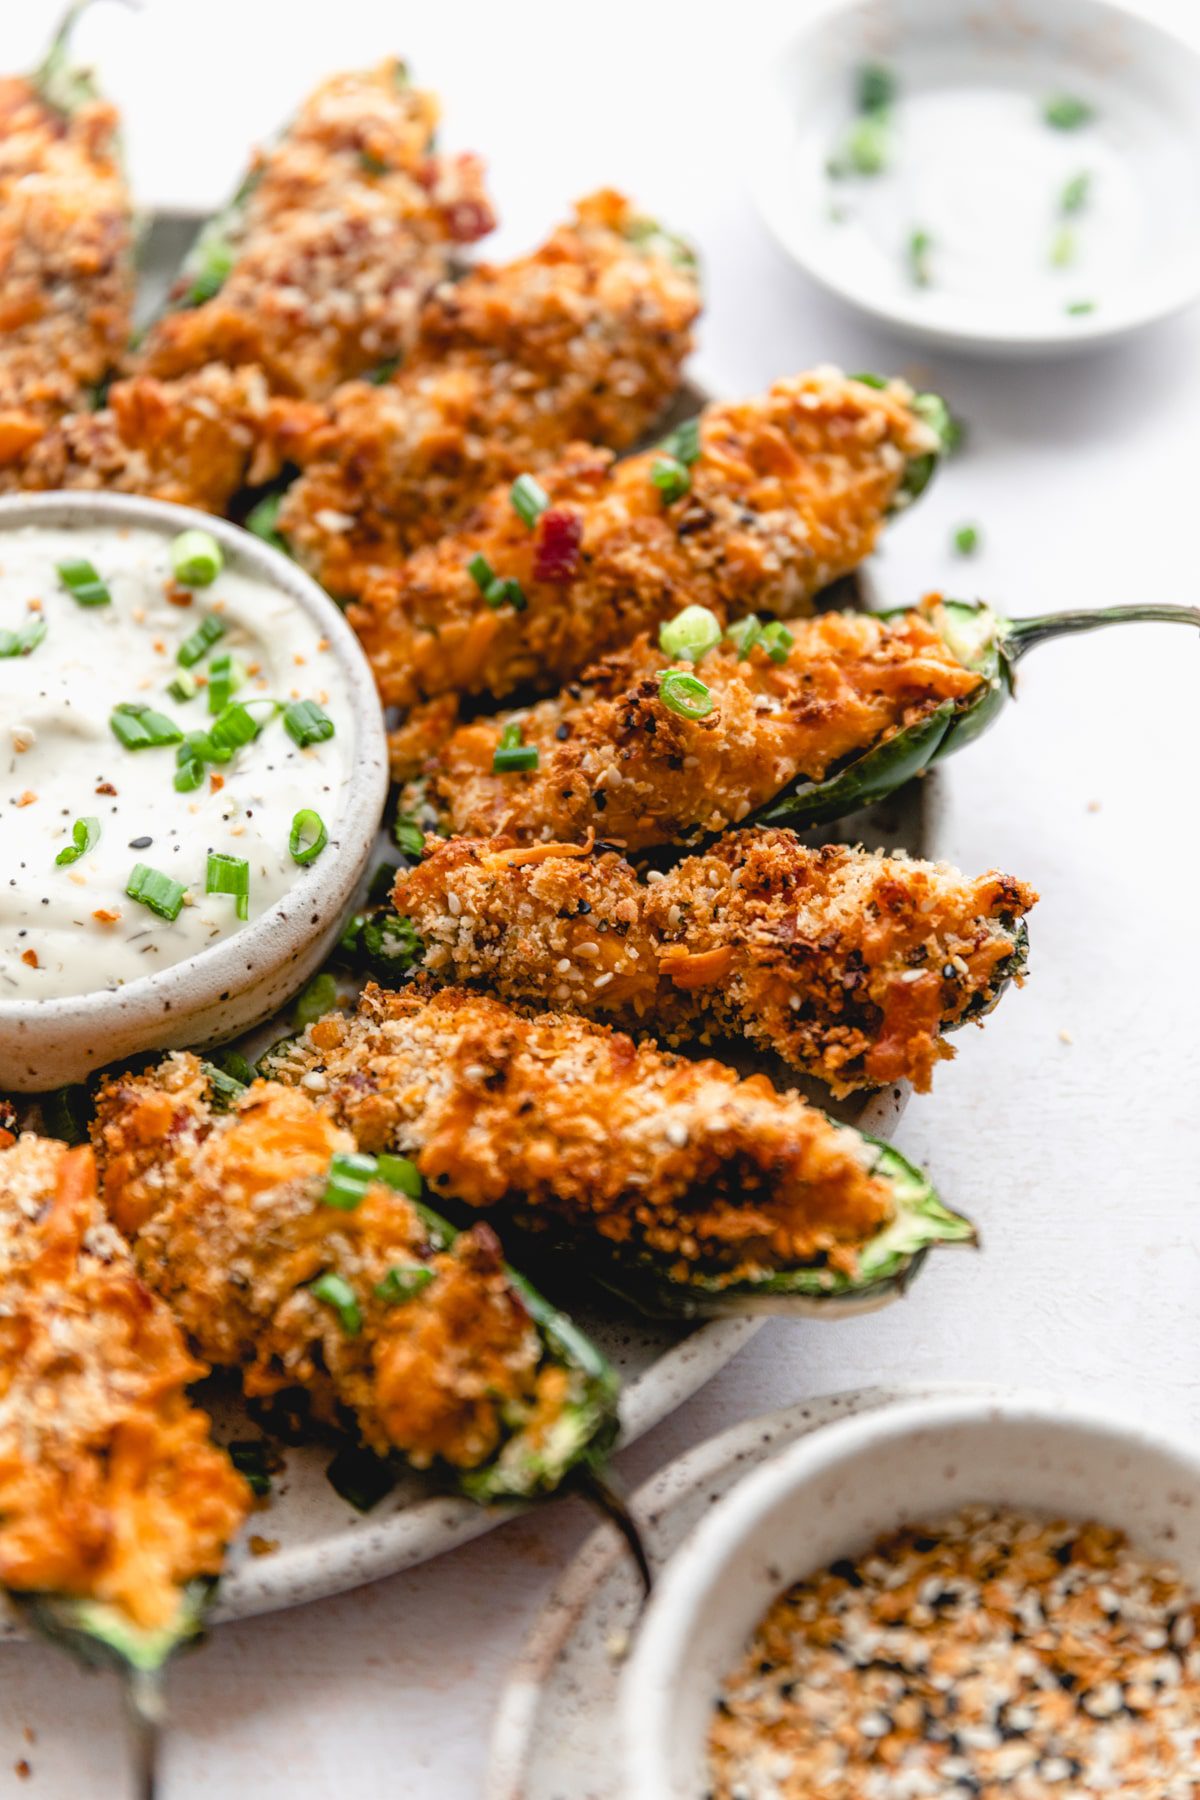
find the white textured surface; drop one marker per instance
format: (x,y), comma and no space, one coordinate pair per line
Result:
(1078,1158)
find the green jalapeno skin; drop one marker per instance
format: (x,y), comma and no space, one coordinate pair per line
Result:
(888,1263)
(989,645)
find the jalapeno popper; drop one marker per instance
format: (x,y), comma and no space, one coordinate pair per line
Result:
(795,725)
(195,441)
(849,965)
(115,1508)
(582,339)
(66,246)
(754,505)
(317,270)
(287,1255)
(689,1188)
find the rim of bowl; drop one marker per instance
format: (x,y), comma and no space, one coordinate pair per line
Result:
(1164,301)
(224,964)
(657,1664)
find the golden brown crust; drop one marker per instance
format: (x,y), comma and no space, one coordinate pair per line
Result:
(195,441)
(789,492)
(109,1486)
(582,339)
(66,259)
(848,965)
(615,759)
(566,1118)
(349,225)
(229,1226)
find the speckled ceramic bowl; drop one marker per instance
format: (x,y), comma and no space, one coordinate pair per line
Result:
(243,979)
(833,1493)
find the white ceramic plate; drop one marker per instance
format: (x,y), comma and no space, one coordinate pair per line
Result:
(973,164)
(555,1728)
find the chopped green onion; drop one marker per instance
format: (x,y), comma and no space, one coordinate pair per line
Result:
(402,1174)
(1066,112)
(529,499)
(744,634)
(183,687)
(336,1291)
(408,835)
(871,381)
(229,875)
(683,443)
(670,477)
(511,754)
(139,727)
(919,246)
(1062,247)
(189,775)
(1078,308)
(162,895)
(196,558)
(20,643)
(360,1477)
(201,641)
(350,1175)
(308,836)
(403,1281)
(685,695)
(1074,196)
(966,540)
(777,640)
(198,747)
(497,590)
(83,584)
(865,148)
(236,724)
(261,520)
(876,88)
(249,1458)
(690,634)
(226,674)
(318,998)
(86,833)
(307,723)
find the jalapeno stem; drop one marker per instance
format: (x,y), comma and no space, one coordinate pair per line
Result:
(144,1709)
(1020,635)
(602,1493)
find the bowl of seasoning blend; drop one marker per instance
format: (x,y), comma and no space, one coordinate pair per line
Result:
(194,770)
(964,1595)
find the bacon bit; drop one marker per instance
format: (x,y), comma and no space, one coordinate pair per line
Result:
(105,787)
(695,968)
(176,595)
(106,916)
(556,552)
(536,853)
(31,958)
(27,798)
(215,782)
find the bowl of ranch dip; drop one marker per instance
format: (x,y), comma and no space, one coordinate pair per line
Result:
(192,772)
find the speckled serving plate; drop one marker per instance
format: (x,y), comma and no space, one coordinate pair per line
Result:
(310,1541)
(555,1730)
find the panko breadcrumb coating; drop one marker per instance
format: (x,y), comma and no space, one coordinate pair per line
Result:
(785,493)
(195,441)
(66,259)
(849,965)
(229,1225)
(562,1118)
(615,759)
(110,1489)
(582,339)
(345,225)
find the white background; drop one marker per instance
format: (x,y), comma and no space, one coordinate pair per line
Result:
(1079,1158)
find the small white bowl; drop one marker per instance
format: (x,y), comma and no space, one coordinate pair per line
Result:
(967,169)
(834,1493)
(242,980)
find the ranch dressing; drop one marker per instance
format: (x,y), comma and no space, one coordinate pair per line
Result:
(73,929)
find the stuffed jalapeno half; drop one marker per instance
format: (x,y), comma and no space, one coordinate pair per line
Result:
(714,1189)
(292,1258)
